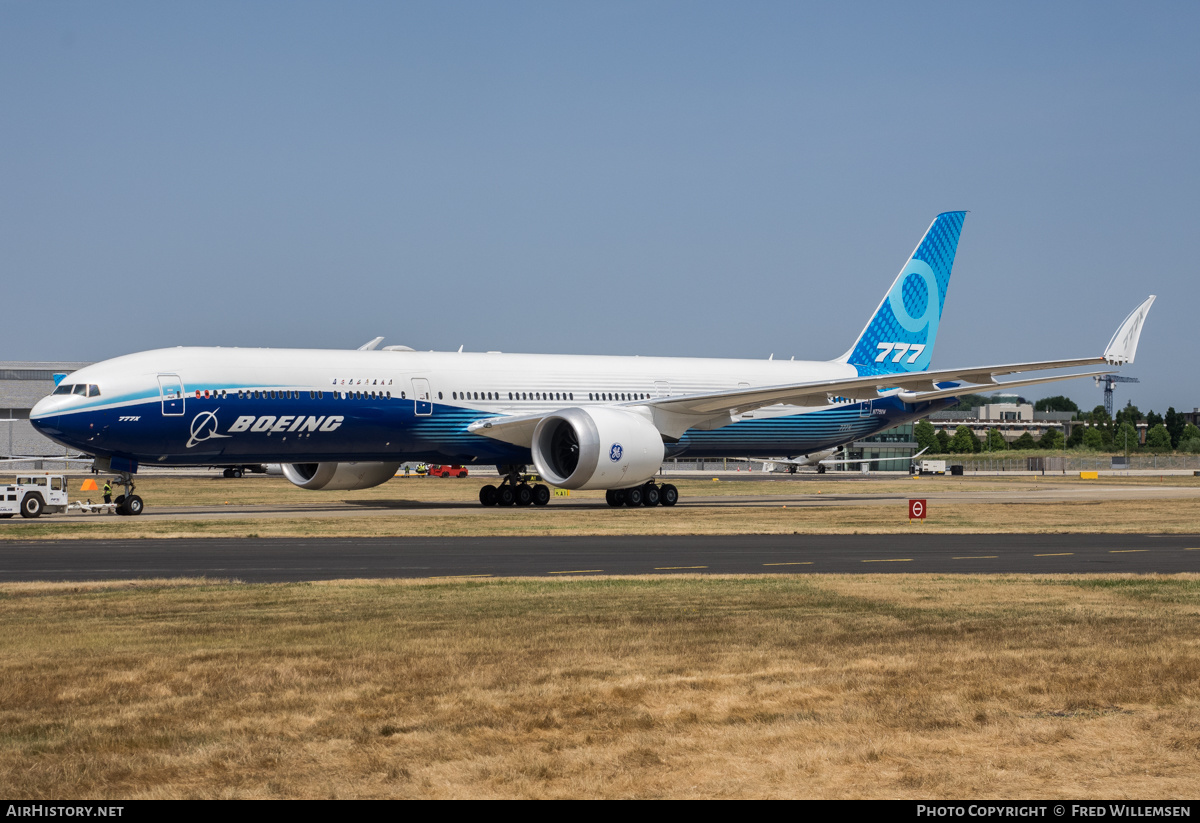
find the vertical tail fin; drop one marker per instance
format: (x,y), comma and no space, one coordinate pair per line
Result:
(900,335)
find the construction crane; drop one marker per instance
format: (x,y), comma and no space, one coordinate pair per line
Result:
(1109,380)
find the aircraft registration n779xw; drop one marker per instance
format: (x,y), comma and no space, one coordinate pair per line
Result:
(347,419)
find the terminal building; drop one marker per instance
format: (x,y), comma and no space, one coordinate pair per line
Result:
(23,384)
(897,442)
(1010,419)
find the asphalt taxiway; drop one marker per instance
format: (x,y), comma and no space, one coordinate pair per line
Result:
(293,560)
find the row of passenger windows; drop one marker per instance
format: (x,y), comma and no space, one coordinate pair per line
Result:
(517,395)
(520,395)
(291,394)
(85,389)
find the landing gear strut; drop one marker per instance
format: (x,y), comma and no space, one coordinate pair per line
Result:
(514,490)
(647,495)
(128,503)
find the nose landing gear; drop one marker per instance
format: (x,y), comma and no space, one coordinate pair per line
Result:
(128,503)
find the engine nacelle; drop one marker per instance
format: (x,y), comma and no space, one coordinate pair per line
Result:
(601,448)
(339,476)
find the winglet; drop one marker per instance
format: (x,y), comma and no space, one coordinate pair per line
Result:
(1123,345)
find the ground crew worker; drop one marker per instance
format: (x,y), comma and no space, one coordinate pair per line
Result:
(107,491)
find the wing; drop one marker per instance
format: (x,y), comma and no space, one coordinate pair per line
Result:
(675,415)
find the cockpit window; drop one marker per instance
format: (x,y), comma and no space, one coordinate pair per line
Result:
(82,389)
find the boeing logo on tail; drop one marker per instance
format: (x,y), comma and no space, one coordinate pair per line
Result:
(584,422)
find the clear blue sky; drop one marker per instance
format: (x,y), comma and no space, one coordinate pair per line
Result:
(717,179)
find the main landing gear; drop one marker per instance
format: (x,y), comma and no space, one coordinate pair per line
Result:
(514,490)
(646,495)
(128,503)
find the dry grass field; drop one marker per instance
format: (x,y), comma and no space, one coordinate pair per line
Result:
(432,506)
(837,686)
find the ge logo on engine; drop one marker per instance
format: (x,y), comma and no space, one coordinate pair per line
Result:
(614,454)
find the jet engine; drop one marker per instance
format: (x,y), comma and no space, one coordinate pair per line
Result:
(339,476)
(600,448)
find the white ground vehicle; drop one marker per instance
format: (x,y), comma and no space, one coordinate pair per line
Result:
(34,494)
(933,467)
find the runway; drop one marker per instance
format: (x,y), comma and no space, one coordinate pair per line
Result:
(294,560)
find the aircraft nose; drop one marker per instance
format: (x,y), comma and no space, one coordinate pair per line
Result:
(42,409)
(45,414)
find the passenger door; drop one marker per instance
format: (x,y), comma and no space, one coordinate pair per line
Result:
(170,388)
(422,398)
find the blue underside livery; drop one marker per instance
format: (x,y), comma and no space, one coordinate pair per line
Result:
(315,430)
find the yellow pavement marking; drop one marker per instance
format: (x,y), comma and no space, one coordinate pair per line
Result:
(799,563)
(453,576)
(668,568)
(578,571)
(1057,554)
(1127,551)
(978,557)
(1197,549)
(891,560)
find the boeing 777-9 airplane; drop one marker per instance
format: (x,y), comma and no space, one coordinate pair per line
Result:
(347,419)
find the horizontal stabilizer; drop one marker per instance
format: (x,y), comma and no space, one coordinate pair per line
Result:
(984,388)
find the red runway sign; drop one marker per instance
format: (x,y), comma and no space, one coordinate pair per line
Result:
(916,509)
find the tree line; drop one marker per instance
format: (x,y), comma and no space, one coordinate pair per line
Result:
(1164,433)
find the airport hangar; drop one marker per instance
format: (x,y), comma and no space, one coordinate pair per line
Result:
(22,384)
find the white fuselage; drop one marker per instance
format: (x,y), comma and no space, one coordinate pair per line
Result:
(281,405)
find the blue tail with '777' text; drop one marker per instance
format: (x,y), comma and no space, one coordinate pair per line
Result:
(900,336)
